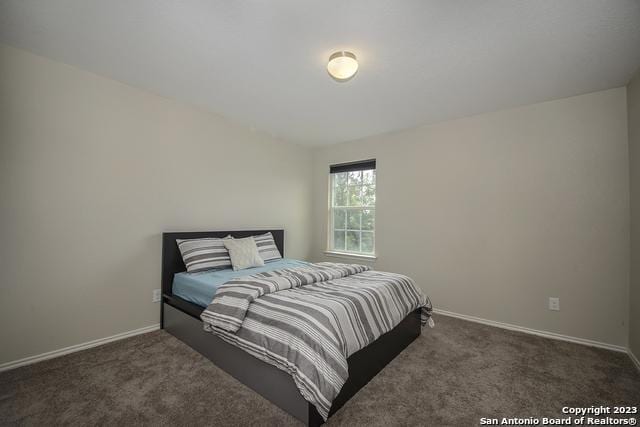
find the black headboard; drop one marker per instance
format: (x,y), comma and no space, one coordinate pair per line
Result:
(172,260)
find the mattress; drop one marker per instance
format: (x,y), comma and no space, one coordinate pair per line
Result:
(199,288)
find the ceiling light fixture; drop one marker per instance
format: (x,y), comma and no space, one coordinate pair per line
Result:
(342,66)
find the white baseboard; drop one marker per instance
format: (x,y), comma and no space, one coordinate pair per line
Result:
(634,359)
(72,349)
(78,347)
(544,334)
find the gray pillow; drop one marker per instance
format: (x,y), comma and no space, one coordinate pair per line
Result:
(204,254)
(267,247)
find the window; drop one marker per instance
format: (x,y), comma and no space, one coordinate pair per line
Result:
(353,208)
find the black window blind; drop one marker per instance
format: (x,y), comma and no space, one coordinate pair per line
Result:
(361,165)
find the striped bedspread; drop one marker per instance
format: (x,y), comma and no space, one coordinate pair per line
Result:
(307,321)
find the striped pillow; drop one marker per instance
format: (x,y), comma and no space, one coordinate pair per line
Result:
(267,247)
(204,254)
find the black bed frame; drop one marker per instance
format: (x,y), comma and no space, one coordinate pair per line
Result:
(182,319)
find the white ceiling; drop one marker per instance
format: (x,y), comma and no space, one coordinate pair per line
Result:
(262,63)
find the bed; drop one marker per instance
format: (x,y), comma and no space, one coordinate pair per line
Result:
(181,311)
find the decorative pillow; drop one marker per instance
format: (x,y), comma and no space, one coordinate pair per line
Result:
(204,254)
(267,247)
(243,253)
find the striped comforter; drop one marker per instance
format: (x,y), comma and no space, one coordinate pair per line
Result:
(307,321)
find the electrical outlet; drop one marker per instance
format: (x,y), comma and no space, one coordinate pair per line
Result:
(156,295)
(554,303)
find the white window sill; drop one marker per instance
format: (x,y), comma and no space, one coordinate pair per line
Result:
(350,255)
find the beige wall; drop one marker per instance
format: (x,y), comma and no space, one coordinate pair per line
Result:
(490,214)
(91,172)
(633,109)
(495,213)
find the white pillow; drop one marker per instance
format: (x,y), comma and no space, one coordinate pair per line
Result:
(244,253)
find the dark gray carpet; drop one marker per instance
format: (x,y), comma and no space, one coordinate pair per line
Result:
(451,376)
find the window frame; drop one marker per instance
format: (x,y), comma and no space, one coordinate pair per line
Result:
(346,168)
